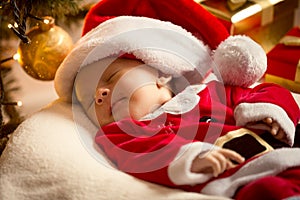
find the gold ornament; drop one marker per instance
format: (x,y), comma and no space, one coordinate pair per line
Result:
(49,45)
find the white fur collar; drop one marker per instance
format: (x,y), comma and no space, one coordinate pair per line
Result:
(181,103)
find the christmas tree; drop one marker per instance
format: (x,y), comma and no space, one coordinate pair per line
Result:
(17,17)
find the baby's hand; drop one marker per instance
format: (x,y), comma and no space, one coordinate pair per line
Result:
(216,161)
(275,129)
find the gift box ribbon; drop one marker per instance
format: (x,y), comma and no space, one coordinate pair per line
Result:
(290,40)
(266,7)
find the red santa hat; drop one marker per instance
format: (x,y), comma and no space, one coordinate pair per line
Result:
(172,36)
(185,13)
(189,15)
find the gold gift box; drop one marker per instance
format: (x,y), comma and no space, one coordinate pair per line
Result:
(251,14)
(265,21)
(284,61)
(292,85)
(297,76)
(286,83)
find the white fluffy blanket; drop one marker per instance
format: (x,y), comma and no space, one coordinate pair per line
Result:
(48,157)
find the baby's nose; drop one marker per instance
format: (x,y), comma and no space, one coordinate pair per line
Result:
(103,93)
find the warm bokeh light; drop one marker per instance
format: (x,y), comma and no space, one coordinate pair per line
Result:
(16,56)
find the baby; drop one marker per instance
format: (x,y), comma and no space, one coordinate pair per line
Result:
(139,114)
(126,73)
(130,89)
(147,133)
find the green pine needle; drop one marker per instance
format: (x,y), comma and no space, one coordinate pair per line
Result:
(55,8)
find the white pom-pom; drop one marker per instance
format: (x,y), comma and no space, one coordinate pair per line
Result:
(239,61)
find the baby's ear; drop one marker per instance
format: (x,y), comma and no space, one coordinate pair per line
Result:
(98,96)
(162,81)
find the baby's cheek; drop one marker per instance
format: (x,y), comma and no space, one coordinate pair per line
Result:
(120,110)
(136,110)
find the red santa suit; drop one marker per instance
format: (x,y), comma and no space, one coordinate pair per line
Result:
(160,147)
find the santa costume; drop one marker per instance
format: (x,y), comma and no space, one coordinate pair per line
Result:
(162,145)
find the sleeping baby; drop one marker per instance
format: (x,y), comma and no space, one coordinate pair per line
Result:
(156,136)
(162,120)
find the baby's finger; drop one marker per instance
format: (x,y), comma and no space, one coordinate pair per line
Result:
(230,164)
(232,155)
(275,128)
(222,162)
(281,135)
(268,120)
(215,166)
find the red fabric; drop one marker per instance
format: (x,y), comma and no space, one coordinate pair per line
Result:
(285,70)
(185,13)
(283,60)
(144,149)
(264,92)
(285,184)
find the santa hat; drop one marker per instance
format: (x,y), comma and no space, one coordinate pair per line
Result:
(145,29)
(185,13)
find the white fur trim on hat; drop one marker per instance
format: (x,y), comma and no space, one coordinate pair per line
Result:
(162,45)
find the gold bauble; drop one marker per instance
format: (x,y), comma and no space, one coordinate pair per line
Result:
(49,45)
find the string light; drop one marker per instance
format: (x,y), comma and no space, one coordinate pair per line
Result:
(46,21)
(17,103)
(16,56)
(14,28)
(6,59)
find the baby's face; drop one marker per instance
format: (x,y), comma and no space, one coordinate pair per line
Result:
(128,88)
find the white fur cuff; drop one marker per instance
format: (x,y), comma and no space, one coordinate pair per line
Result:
(179,170)
(252,112)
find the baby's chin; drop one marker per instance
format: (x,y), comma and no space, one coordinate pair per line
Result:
(105,122)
